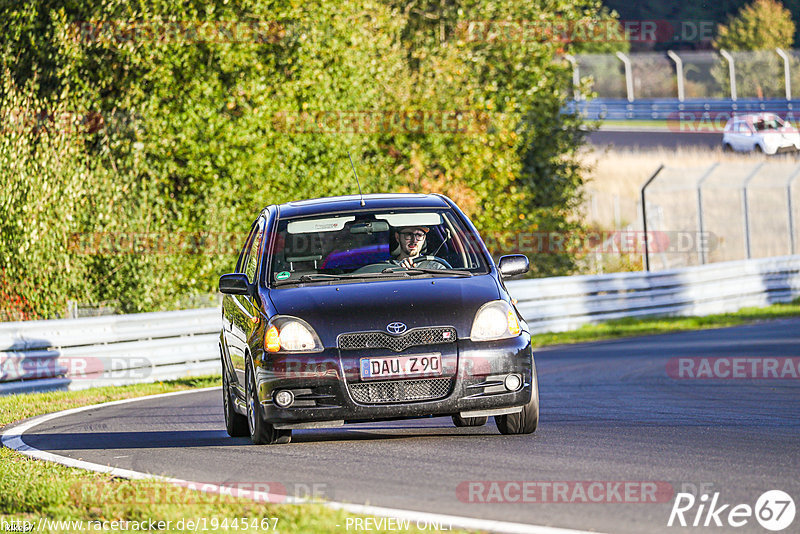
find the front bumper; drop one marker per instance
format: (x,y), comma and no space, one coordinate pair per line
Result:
(323,384)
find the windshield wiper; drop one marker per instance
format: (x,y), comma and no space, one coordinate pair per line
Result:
(421,270)
(316,277)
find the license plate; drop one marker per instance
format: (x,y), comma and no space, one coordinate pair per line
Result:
(402,366)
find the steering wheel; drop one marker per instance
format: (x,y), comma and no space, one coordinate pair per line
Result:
(420,259)
(372,268)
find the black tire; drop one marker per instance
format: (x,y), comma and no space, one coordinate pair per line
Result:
(727,147)
(469,421)
(526,421)
(235,423)
(261,432)
(758,150)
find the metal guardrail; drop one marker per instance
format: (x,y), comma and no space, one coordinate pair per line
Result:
(111,350)
(690,113)
(565,303)
(124,349)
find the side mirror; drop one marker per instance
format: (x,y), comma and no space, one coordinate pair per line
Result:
(513,265)
(234,284)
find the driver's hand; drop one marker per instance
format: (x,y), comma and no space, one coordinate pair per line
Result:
(408,263)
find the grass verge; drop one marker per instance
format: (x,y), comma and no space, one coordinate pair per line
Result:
(34,491)
(663,325)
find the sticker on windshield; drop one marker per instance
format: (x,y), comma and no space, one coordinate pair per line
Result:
(283,275)
(329,224)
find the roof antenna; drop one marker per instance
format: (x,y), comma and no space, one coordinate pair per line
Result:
(356,175)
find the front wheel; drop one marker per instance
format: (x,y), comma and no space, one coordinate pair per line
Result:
(261,432)
(526,421)
(235,423)
(469,421)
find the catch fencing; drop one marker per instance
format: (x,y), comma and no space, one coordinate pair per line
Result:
(688,75)
(116,350)
(726,211)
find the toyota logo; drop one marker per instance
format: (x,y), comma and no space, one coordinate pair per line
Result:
(396,328)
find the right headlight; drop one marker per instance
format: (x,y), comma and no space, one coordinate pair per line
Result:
(495,320)
(291,334)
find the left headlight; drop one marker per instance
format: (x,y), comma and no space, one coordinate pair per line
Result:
(495,320)
(291,334)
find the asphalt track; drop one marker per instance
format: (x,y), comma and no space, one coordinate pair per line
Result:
(609,412)
(645,139)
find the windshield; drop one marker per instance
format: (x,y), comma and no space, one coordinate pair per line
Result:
(769,122)
(373,245)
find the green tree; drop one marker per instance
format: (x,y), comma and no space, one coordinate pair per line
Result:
(762,25)
(185,135)
(752,37)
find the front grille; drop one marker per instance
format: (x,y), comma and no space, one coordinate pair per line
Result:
(413,338)
(401,390)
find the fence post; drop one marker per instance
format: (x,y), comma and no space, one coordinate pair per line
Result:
(787,76)
(679,70)
(576,76)
(746,217)
(700,250)
(628,74)
(789,204)
(644,217)
(731,72)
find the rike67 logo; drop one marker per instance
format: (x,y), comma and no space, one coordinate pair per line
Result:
(774,510)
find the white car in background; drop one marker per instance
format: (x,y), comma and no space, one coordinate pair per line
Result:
(760,132)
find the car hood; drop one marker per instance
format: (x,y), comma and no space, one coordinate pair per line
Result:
(356,307)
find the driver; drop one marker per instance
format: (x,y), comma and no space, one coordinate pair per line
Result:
(411,241)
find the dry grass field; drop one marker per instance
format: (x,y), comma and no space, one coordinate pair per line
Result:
(612,200)
(621,173)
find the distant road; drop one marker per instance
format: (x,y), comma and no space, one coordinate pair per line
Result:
(654,139)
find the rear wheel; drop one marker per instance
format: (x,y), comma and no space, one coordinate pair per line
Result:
(469,421)
(261,432)
(526,421)
(727,147)
(235,423)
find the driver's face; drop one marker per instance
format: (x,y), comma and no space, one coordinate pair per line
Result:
(411,241)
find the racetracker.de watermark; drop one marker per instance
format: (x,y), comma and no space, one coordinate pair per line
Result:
(610,242)
(202,492)
(120,31)
(586,30)
(22,120)
(704,121)
(216,243)
(568,491)
(109,368)
(734,368)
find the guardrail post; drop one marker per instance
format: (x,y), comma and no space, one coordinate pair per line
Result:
(731,72)
(787,75)
(576,76)
(644,217)
(679,70)
(789,204)
(701,253)
(746,217)
(628,74)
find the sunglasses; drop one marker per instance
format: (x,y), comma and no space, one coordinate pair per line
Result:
(418,235)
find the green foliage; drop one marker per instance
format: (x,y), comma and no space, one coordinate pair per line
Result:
(752,37)
(183,131)
(762,25)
